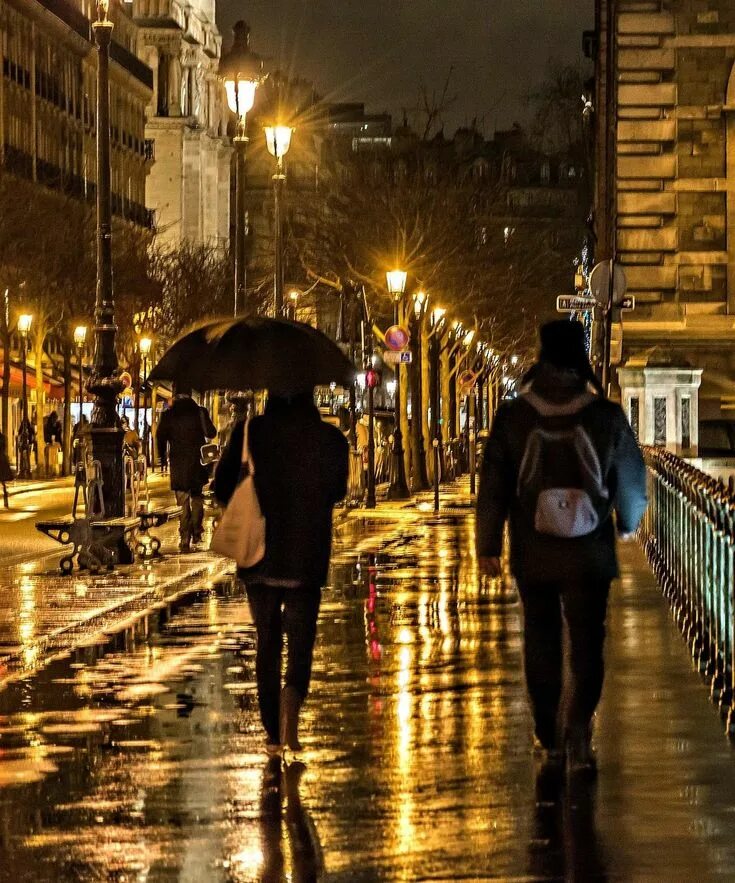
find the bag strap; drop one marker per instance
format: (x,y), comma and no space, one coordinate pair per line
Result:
(245,458)
(552,409)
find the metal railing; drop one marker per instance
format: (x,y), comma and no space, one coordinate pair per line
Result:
(688,534)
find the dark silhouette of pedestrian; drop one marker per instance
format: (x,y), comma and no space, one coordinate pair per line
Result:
(300,467)
(563,467)
(52,428)
(182,431)
(6,473)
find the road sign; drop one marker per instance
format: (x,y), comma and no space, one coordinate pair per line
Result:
(627,303)
(397,338)
(600,283)
(574,304)
(392,358)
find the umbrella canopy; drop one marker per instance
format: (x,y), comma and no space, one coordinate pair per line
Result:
(254,353)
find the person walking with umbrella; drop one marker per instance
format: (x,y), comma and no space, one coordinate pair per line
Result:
(300,467)
(183,430)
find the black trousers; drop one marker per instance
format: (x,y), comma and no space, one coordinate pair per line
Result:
(277,611)
(547,606)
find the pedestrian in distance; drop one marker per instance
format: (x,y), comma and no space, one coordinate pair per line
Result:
(6,473)
(300,472)
(563,467)
(182,431)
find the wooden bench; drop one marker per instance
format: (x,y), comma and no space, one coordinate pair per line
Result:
(150,546)
(92,540)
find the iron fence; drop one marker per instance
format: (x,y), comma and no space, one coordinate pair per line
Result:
(688,534)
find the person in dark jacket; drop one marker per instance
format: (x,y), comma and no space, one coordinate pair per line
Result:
(300,467)
(559,578)
(182,431)
(6,473)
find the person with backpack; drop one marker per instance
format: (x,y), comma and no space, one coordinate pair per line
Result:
(563,467)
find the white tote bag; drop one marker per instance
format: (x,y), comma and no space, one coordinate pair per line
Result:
(240,535)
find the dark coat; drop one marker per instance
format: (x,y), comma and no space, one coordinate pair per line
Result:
(182,431)
(301,466)
(6,473)
(536,556)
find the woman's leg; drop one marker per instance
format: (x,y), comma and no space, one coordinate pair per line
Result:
(301,611)
(265,606)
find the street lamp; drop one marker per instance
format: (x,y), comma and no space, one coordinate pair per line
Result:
(242,72)
(80,340)
(420,476)
(278,140)
(294,299)
(398,490)
(145,345)
(105,384)
(25,436)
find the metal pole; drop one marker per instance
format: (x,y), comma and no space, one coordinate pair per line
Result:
(145,410)
(370,501)
(420,476)
(106,433)
(24,453)
(398,489)
(80,352)
(607,319)
(435,354)
(241,147)
(279,180)
(472,447)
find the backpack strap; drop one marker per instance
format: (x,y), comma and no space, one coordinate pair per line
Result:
(562,409)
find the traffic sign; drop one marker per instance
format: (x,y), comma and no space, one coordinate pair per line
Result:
(600,283)
(397,338)
(574,304)
(627,303)
(393,358)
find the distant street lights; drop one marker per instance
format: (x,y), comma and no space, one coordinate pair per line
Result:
(80,341)
(278,141)
(242,72)
(25,436)
(398,490)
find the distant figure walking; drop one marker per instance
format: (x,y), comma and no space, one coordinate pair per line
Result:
(300,468)
(182,431)
(6,473)
(561,460)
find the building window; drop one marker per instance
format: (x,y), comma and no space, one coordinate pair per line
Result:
(659,422)
(686,422)
(634,414)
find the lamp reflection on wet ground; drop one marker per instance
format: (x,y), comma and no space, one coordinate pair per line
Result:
(139,757)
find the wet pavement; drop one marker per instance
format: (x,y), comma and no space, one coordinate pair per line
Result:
(138,756)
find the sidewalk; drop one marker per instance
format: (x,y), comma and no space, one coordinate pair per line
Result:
(146,760)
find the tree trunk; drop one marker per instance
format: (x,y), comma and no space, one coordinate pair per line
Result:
(66,444)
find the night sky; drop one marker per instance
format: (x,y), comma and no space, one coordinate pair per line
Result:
(377,51)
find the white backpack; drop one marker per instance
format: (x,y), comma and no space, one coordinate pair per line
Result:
(560,481)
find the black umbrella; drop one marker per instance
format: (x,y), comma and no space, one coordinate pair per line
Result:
(254,353)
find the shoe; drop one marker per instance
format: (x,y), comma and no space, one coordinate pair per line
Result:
(580,757)
(184,547)
(290,707)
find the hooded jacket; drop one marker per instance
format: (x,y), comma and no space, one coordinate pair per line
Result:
(535,556)
(301,466)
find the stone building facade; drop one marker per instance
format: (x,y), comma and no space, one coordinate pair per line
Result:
(189,185)
(669,181)
(48,101)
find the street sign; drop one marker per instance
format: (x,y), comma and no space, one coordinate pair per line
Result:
(397,338)
(600,283)
(574,304)
(627,303)
(392,358)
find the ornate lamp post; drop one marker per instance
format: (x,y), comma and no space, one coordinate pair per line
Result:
(145,344)
(278,141)
(24,436)
(398,490)
(80,340)
(105,432)
(420,476)
(242,72)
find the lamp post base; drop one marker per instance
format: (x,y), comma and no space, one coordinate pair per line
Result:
(398,489)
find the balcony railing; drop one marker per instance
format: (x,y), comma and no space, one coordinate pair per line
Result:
(688,534)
